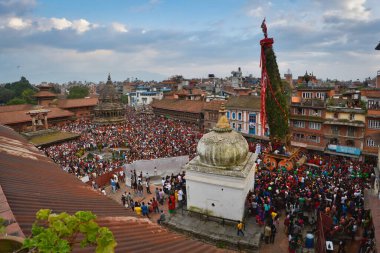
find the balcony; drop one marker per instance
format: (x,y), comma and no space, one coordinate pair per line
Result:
(344,122)
(306,118)
(337,135)
(315,103)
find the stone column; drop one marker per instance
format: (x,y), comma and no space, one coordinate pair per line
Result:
(46,122)
(33,122)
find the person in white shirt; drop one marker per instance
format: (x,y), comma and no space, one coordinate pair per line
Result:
(180,197)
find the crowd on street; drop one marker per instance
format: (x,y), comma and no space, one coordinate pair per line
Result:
(141,138)
(332,185)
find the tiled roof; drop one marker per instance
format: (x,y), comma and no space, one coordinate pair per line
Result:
(244,102)
(214,105)
(31,181)
(45,93)
(12,108)
(79,102)
(194,106)
(13,117)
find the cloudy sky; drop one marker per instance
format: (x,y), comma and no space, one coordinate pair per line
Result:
(62,40)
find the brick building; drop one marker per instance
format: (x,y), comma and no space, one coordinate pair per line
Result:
(185,110)
(372,123)
(307,115)
(83,108)
(16,117)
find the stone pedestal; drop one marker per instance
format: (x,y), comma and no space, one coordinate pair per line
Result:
(217,191)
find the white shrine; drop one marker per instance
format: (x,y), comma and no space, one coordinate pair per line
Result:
(219,178)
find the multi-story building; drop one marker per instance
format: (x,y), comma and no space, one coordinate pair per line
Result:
(143,96)
(345,124)
(243,113)
(307,115)
(372,123)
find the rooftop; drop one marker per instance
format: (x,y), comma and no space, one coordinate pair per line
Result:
(21,116)
(44,93)
(79,102)
(248,102)
(193,106)
(213,105)
(25,169)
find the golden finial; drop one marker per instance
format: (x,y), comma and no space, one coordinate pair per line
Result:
(223,124)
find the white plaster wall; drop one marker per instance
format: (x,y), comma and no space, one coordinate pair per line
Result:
(227,193)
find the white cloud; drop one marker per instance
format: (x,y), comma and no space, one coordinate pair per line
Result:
(348,9)
(82,25)
(256,12)
(18,23)
(61,23)
(143,31)
(53,23)
(118,27)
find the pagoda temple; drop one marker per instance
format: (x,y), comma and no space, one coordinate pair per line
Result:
(44,96)
(109,109)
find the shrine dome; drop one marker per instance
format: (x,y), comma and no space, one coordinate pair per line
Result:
(222,147)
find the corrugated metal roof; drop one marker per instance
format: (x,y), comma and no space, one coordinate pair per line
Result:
(31,181)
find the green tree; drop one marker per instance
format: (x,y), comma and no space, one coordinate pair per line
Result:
(6,95)
(58,233)
(124,99)
(16,101)
(27,95)
(19,86)
(56,89)
(277,104)
(78,92)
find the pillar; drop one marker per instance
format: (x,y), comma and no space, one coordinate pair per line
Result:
(34,123)
(46,122)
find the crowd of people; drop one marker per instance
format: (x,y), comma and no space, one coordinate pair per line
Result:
(140,138)
(172,191)
(332,185)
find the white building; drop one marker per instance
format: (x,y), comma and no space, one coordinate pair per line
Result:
(243,113)
(142,97)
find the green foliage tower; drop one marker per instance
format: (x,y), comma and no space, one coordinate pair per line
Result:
(277,100)
(275,93)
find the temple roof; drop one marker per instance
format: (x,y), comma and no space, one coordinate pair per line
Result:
(193,106)
(79,102)
(21,116)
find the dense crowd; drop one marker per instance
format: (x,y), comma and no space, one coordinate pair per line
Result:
(140,138)
(334,186)
(172,191)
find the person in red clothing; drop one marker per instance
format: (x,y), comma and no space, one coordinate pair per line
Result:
(171,203)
